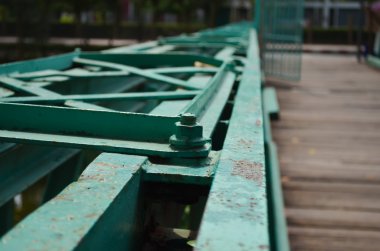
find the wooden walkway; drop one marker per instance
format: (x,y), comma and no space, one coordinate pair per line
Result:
(329,149)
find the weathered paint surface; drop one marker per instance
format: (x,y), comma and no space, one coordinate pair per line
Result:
(86,215)
(236,212)
(103,207)
(194,172)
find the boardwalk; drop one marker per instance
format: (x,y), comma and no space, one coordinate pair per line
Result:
(329,150)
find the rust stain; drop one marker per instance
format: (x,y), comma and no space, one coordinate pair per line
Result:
(245,209)
(249,170)
(264,247)
(92,215)
(258,122)
(62,197)
(107,164)
(97,177)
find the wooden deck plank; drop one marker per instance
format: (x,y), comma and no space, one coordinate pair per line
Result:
(328,139)
(315,239)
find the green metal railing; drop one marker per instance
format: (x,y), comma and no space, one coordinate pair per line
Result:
(280,24)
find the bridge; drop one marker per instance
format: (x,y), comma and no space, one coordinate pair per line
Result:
(203,141)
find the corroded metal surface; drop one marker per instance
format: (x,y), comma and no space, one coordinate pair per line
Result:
(236,217)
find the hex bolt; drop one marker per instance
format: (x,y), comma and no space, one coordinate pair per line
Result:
(188,119)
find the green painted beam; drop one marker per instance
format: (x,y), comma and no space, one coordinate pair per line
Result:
(145,60)
(226,53)
(60,62)
(107,74)
(170,95)
(105,145)
(199,104)
(95,124)
(278,227)
(101,210)
(21,86)
(216,103)
(195,41)
(236,214)
(137,71)
(71,74)
(187,70)
(85,106)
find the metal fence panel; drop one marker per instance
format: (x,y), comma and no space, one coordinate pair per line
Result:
(281,28)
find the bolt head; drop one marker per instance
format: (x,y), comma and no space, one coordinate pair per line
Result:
(188,119)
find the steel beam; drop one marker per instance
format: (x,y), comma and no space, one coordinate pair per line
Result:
(235,217)
(168,95)
(101,209)
(138,72)
(59,62)
(278,228)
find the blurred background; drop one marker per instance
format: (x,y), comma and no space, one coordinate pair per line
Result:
(33,28)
